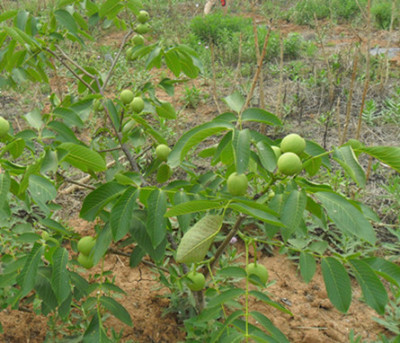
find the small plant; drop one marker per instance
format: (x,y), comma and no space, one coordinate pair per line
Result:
(382,14)
(193,96)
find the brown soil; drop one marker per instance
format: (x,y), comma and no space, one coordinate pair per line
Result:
(314,318)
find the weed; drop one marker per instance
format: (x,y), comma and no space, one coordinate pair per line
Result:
(382,14)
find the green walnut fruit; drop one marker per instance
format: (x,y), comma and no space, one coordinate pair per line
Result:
(237,184)
(45,235)
(86,244)
(126,96)
(85,261)
(289,164)
(196,282)
(258,270)
(293,143)
(129,53)
(277,151)
(162,152)
(4,127)
(138,40)
(137,104)
(142,28)
(143,17)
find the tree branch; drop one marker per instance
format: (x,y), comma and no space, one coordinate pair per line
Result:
(114,63)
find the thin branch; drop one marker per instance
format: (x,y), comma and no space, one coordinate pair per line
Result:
(367,71)
(80,184)
(114,63)
(109,150)
(70,69)
(261,77)
(214,87)
(70,60)
(350,98)
(257,74)
(280,87)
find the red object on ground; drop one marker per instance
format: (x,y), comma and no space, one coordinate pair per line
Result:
(223,2)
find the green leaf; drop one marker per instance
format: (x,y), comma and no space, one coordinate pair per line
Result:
(34,118)
(196,242)
(134,5)
(54,225)
(157,135)
(307,266)
(260,116)
(60,275)
(69,116)
(191,66)
(314,149)
(227,323)
(235,101)
(388,270)
(107,7)
(292,212)
(65,308)
(233,272)
(140,235)
(156,222)
(347,159)
(83,158)
(117,310)
(256,210)
(173,63)
(8,15)
(44,290)
(121,213)
(194,137)
(373,291)
(41,190)
(103,242)
(114,115)
(136,257)
(100,197)
(95,333)
(267,156)
(15,147)
(194,206)
(166,110)
(266,299)
(347,217)
(225,296)
(337,283)
(27,278)
(241,142)
(67,20)
(271,328)
(154,58)
(254,333)
(65,134)
(183,219)
(387,154)
(5,183)
(164,172)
